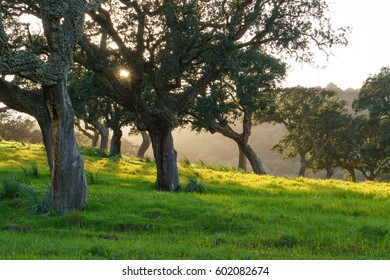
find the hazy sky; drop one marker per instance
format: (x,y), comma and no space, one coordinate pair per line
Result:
(368,49)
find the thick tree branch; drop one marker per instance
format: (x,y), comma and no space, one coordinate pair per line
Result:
(22,100)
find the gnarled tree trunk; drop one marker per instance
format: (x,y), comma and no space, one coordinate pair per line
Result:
(254,160)
(69,188)
(144,145)
(166,159)
(104,133)
(90,131)
(116,142)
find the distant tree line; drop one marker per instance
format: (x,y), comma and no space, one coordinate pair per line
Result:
(324,136)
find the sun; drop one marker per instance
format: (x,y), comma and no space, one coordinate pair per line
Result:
(123,73)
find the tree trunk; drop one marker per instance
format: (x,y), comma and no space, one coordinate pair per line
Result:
(68,183)
(95,140)
(104,133)
(302,169)
(93,135)
(116,142)
(329,172)
(242,162)
(166,160)
(144,145)
(352,174)
(44,124)
(255,162)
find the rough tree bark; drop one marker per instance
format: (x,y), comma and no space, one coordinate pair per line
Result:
(144,145)
(116,142)
(62,23)
(165,156)
(69,188)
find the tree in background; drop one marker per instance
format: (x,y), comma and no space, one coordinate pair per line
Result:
(175,50)
(241,92)
(88,105)
(88,130)
(374,96)
(19,128)
(99,111)
(374,153)
(341,151)
(312,117)
(145,144)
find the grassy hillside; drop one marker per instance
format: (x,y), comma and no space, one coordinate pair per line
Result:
(237,216)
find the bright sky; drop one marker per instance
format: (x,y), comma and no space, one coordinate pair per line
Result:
(367,52)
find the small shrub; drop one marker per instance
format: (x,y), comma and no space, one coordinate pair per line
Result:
(193,186)
(31,171)
(12,188)
(37,206)
(186,163)
(93,152)
(116,157)
(93,178)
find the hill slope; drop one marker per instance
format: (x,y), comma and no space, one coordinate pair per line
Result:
(237,216)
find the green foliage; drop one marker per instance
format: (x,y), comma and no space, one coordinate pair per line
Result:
(193,186)
(115,157)
(243,90)
(92,152)
(31,170)
(374,96)
(313,118)
(11,188)
(93,178)
(186,163)
(92,105)
(374,141)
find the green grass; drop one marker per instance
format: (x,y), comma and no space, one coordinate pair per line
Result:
(235,216)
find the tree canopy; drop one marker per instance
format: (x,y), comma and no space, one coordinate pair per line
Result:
(312,117)
(175,50)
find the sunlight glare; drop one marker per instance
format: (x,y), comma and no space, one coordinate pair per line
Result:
(124,73)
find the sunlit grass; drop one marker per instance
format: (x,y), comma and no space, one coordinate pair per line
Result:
(238,216)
